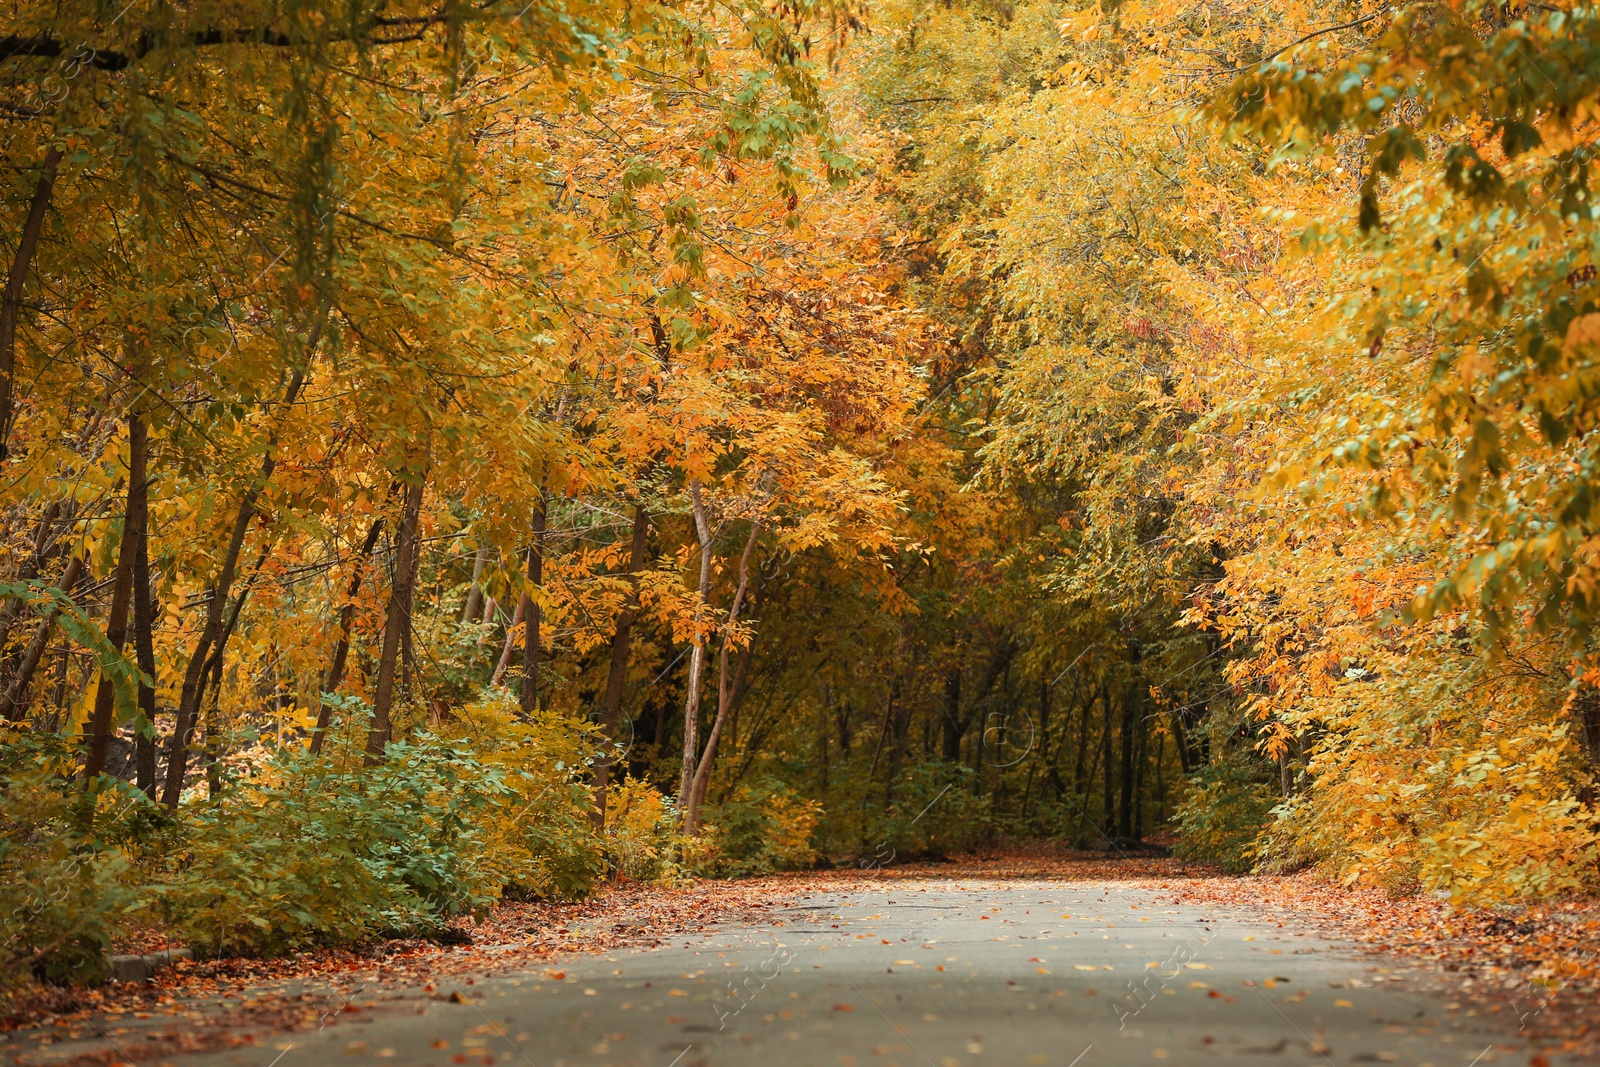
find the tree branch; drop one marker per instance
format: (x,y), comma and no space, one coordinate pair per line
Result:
(48,46)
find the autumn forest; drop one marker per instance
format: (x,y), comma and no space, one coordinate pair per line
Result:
(457,452)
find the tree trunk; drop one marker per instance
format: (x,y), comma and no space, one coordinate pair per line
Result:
(12,702)
(954,728)
(58,692)
(1042,739)
(144,621)
(194,675)
(11,307)
(824,738)
(474,602)
(341,650)
(1079,786)
(899,730)
(490,606)
(408,649)
(532,611)
(1585,711)
(691,702)
(144,642)
(1141,762)
(1130,711)
(212,746)
(1108,813)
(1161,779)
(511,643)
(1180,736)
(617,673)
(883,729)
(398,619)
(101,725)
(726,687)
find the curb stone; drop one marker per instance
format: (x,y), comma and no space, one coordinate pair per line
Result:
(143,968)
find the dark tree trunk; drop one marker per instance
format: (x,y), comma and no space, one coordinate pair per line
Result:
(617,672)
(1108,810)
(1161,778)
(1078,786)
(212,684)
(11,306)
(408,648)
(144,619)
(1141,763)
(1586,714)
(953,727)
(956,722)
(532,612)
(194,675)
(341,649)
(883,728)
(101,723)
(1130,714)
(399,618)
(1041,740)
(899,731)
(214,748)
(824,740)
(1180,737)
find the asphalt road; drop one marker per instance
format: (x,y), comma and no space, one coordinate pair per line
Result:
(934,974)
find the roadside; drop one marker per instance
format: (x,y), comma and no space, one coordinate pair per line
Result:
(207,1004)
(1537,964)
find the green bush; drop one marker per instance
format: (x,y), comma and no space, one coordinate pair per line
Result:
(934,813)
(540,830)
(62,875)
(762,826)
(1224,813)
(300,852)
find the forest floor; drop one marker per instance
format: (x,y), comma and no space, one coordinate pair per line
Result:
(1531,976)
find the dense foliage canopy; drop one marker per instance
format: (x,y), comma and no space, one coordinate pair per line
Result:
(458,451)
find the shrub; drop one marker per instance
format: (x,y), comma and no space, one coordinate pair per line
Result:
(541,843)
(1223,814)
(762,826)
(641,832)
(1411,785)
(299,852)
(62,889)
(934,813)
(303,851)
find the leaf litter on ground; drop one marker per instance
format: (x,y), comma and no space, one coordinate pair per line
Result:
(1537,963)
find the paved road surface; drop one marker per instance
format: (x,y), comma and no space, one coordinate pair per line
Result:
(933,974)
